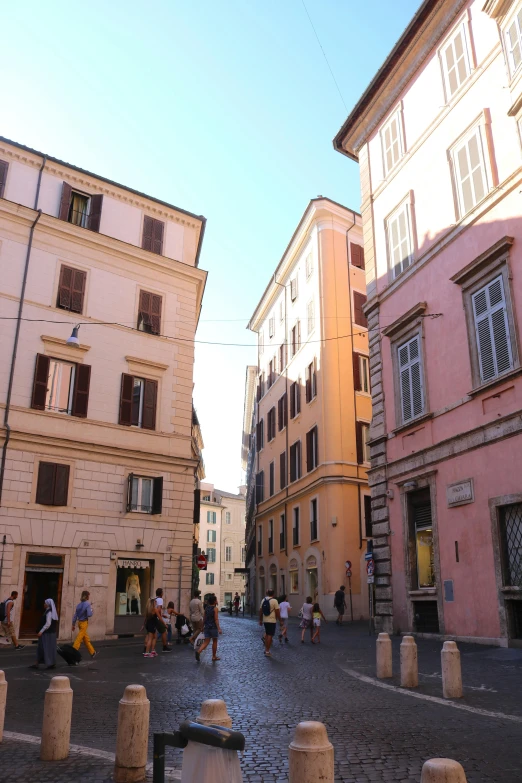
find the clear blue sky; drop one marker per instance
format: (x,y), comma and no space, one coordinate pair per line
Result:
(225,108)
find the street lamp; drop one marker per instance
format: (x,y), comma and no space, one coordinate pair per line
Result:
(73,339)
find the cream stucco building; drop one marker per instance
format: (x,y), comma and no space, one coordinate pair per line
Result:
(100,449)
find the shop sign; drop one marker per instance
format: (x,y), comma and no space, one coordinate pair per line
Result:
(293,563)
(311,562)
(133,564)
(460,492)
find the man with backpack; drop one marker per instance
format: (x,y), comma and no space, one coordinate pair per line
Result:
(340,604)
(269,616)
(7,615)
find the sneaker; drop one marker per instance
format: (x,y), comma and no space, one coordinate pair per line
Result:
(286,640)
(167,649)
(198,657)
(147,655)
(153,654)
(280,638)
(268,654)
(20,647)
(94,654)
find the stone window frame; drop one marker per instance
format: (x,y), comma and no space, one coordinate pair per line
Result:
(471,279)
(504,593)
(407,201)
(397,115)
(462,24)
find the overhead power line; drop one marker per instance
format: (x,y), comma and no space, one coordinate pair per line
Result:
(325,57)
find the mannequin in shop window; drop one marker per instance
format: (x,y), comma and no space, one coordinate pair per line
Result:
(133,591)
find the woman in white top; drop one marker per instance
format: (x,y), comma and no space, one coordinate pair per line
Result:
(284,608)
(306,622)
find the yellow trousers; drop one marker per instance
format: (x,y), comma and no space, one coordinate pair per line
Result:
(83,636)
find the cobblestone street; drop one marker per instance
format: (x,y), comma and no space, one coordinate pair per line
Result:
(379,733)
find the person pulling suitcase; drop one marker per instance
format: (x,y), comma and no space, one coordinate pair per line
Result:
(82,614)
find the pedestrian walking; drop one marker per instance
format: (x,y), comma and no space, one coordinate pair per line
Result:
(317,615)
(160,624)
(169,613)
(306,618)
(284,608)
(46,650)
(211,628)
(7,616)
(196,615)
(82,614)
(340,604)
(151,626)
(237,601)
(269,616)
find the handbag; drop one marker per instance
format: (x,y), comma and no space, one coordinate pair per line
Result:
(184,629)
(300,614)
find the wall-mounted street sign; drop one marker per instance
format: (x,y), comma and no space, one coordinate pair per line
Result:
(370,567)
(348,565)
(368,555)
(371,579)
(201,562)
(460,493)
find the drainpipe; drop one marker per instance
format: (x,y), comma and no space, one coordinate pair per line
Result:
(17,331)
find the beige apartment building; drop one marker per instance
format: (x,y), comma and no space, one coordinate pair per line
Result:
(313,410)
(100,450)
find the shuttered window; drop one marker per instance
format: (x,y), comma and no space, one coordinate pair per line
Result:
(282,412)
(271,479)
(455,61)
(4,166)
(514,42)
(362,433)
(282,470)
(260,486)
(295,338)
(312,449)
(282,358)
(145,494)
(470,171)
(314,520)
(295,527)
(293,289)
(295,461)
(361,377)
(392,142)
(357,255)
(153,235)
(149,313)
(492,330)
(271,424)
(53,484)
(295,399)
(367,516)
(400,245)
(260,434)
(310,316)
(80,209)
(71,289)
(271,326)
(410,379)
(62,387)
(282,531)
(138,401)
(359,300)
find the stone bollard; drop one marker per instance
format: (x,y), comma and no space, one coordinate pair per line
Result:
(132,735)
(3,699)
(451,671)
(384,656)
(311,754)
(214,711)
(442,771)
(56,726)
(409,663)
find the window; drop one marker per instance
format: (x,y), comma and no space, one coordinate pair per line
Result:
(261,386)
(282,357)
(362,436)
(357,255)
(4,166)
(211,555)
(138,402)
(392,141)
(514,42)
(309,265)
(295,338)
(282,470)
(261,342)
(492,331)
(359,300)
(400,245)
(149,313)
(229,577)
(410,379)
(271,424)
(152,238)
(227,517)
(206,497)
(228,554)
(271,479)
(211,536)
(293,289)
(271,326)
(310,316)
(260,486)
(295,399)
(282,531)
(312,449)
(423,571)
(367,516)
(294,581)
(455,61)
(314,522)
(259,540)
(211,517)
(260,434)
(295,461)
(80,208)
(282,310)
(469,171)
(295,526)
(282,412)
(243,554)
(71,289)
(311,382)
(145,494)
(62,387)
(209,578)
(53,484)
(270,536)
(361,373)
(511,544)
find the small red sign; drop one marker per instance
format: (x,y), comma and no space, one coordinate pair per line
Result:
(201,562)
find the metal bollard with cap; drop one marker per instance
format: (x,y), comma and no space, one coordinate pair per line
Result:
(384,656)
(214,712)
(132,735)
(442,771)
(409,663)
(451,671)
(311,754)
(56,725)
(3,699)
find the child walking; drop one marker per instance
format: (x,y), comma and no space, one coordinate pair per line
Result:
(316,615)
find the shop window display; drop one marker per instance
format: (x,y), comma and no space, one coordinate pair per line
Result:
(133,586)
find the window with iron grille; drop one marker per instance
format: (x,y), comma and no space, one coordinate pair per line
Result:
(511,538)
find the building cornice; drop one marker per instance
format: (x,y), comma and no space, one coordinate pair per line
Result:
(412,315)
(500,248)
(497,9)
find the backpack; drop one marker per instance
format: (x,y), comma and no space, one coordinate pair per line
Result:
(3,610)
(265,606)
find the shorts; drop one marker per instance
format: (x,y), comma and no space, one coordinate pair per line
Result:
(197,625)
(305,623)
(284,623)
(211,633)
(270,629)
(150,625)
(160,626)
(317,622)
(9,630)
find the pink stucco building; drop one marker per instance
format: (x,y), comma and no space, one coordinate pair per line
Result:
(438,138)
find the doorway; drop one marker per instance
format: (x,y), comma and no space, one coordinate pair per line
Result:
(43,579)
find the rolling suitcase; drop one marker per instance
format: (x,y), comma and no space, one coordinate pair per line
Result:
(71,656)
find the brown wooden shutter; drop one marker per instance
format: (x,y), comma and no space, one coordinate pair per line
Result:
(285,409)
(3,176)
(61,485)
(359,442)
(146,241)
(150,395)
(293,462)
(156,313)
(65,287)
(81,391)
(144,314)
(96,202)
(308,384)
(282,470)
(78,290)
(41,376)
(127,386)
(368,516)
(157,495)
(157,237)
(298,398)
(65,202)
(357,255)
(45,486)
(309,451)
(356,372)
(359,300)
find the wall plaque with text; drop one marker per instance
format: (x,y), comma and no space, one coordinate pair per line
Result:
(460,492)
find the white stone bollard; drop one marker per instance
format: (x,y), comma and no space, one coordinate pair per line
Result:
(311,754)
(132,735)
(56,726)
(3,699)
(451,671)
(384,656)
(214,711)
(442,771)
(409,663)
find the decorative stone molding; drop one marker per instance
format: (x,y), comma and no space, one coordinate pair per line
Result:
(497,8)
(58,348)
(138,365)
(405,320)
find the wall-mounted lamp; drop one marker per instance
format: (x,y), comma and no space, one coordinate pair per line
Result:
(73,339)
(334,521)
(410,485)
(139,545)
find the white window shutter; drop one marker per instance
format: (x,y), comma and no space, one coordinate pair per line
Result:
(492,330)
(411,381)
